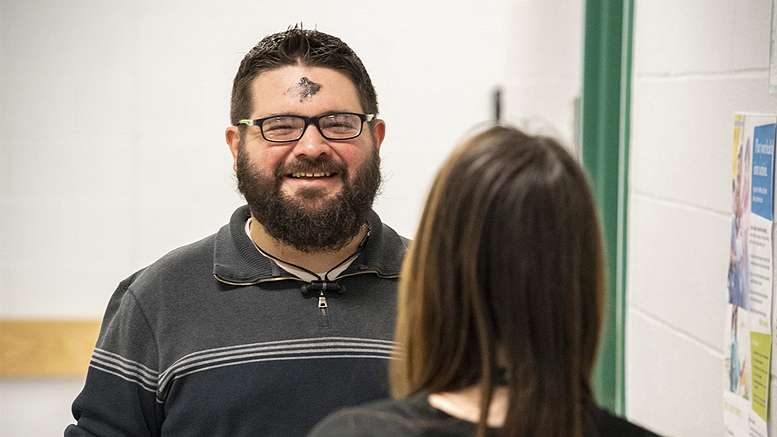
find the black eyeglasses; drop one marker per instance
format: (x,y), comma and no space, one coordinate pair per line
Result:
(332,126)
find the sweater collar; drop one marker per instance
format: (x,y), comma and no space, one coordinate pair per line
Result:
(237,262)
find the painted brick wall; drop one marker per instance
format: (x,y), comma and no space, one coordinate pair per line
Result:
(695,63)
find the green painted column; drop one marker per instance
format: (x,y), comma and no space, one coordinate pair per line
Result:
(604,137)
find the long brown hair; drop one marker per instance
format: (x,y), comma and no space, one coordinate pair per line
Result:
(507,262)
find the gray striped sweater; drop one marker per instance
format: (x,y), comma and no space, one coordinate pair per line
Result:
(215,339)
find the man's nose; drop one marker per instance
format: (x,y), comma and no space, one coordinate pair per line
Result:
(312,144)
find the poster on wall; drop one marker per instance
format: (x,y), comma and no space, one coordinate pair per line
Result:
(750,285)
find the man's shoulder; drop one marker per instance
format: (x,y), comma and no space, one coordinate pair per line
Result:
(385,249)
(192,258)
(392,240)
(193,261)
(186,257)
(185,261)
(395,237)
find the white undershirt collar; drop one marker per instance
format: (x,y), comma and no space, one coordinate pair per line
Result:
(305,276)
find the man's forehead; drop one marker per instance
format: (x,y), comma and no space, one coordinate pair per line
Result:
(297,75)
(300,85)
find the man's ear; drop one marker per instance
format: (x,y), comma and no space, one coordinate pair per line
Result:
(233,141)
(378,132)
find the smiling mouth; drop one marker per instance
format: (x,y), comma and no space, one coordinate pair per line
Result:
(304,175)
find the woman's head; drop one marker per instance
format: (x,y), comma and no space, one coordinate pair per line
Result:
(506,271)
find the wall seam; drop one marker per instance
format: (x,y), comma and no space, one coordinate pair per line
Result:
(668,201)
(701,76)
(662,324)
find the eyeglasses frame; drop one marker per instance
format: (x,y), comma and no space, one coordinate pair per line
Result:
(308,121)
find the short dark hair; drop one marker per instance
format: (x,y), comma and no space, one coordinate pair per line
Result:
(506,271)
(297,46)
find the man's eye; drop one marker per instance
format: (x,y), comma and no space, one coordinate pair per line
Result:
(280,125)
(340,123)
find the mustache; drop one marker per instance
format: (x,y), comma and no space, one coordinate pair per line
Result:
(304,164)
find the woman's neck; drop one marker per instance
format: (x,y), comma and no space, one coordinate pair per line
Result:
(465,404)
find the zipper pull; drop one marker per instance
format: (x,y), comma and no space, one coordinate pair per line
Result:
(322,302)
(323,311)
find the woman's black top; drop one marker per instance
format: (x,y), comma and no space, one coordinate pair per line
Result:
(413,416)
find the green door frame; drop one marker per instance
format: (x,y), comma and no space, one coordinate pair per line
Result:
(604,138)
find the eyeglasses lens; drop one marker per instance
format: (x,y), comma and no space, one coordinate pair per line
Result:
(283,128)
(340,126)
(333,127)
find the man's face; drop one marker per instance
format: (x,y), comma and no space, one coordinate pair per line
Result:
(313,193)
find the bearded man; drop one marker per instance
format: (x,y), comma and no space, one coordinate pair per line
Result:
(286,313)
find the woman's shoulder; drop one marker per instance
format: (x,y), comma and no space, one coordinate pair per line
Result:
(411,416)
(607,424)
(380,418)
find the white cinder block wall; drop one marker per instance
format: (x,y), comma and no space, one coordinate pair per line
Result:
(695,63)
(112,152)
(544,66)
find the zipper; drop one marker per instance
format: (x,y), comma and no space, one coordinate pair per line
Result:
(323,310)
(322,306)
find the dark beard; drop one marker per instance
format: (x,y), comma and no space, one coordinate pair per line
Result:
(309,224)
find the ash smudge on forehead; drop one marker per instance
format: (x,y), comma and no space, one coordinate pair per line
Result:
(305,88)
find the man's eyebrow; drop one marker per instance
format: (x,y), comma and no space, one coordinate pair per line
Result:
(323,114)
